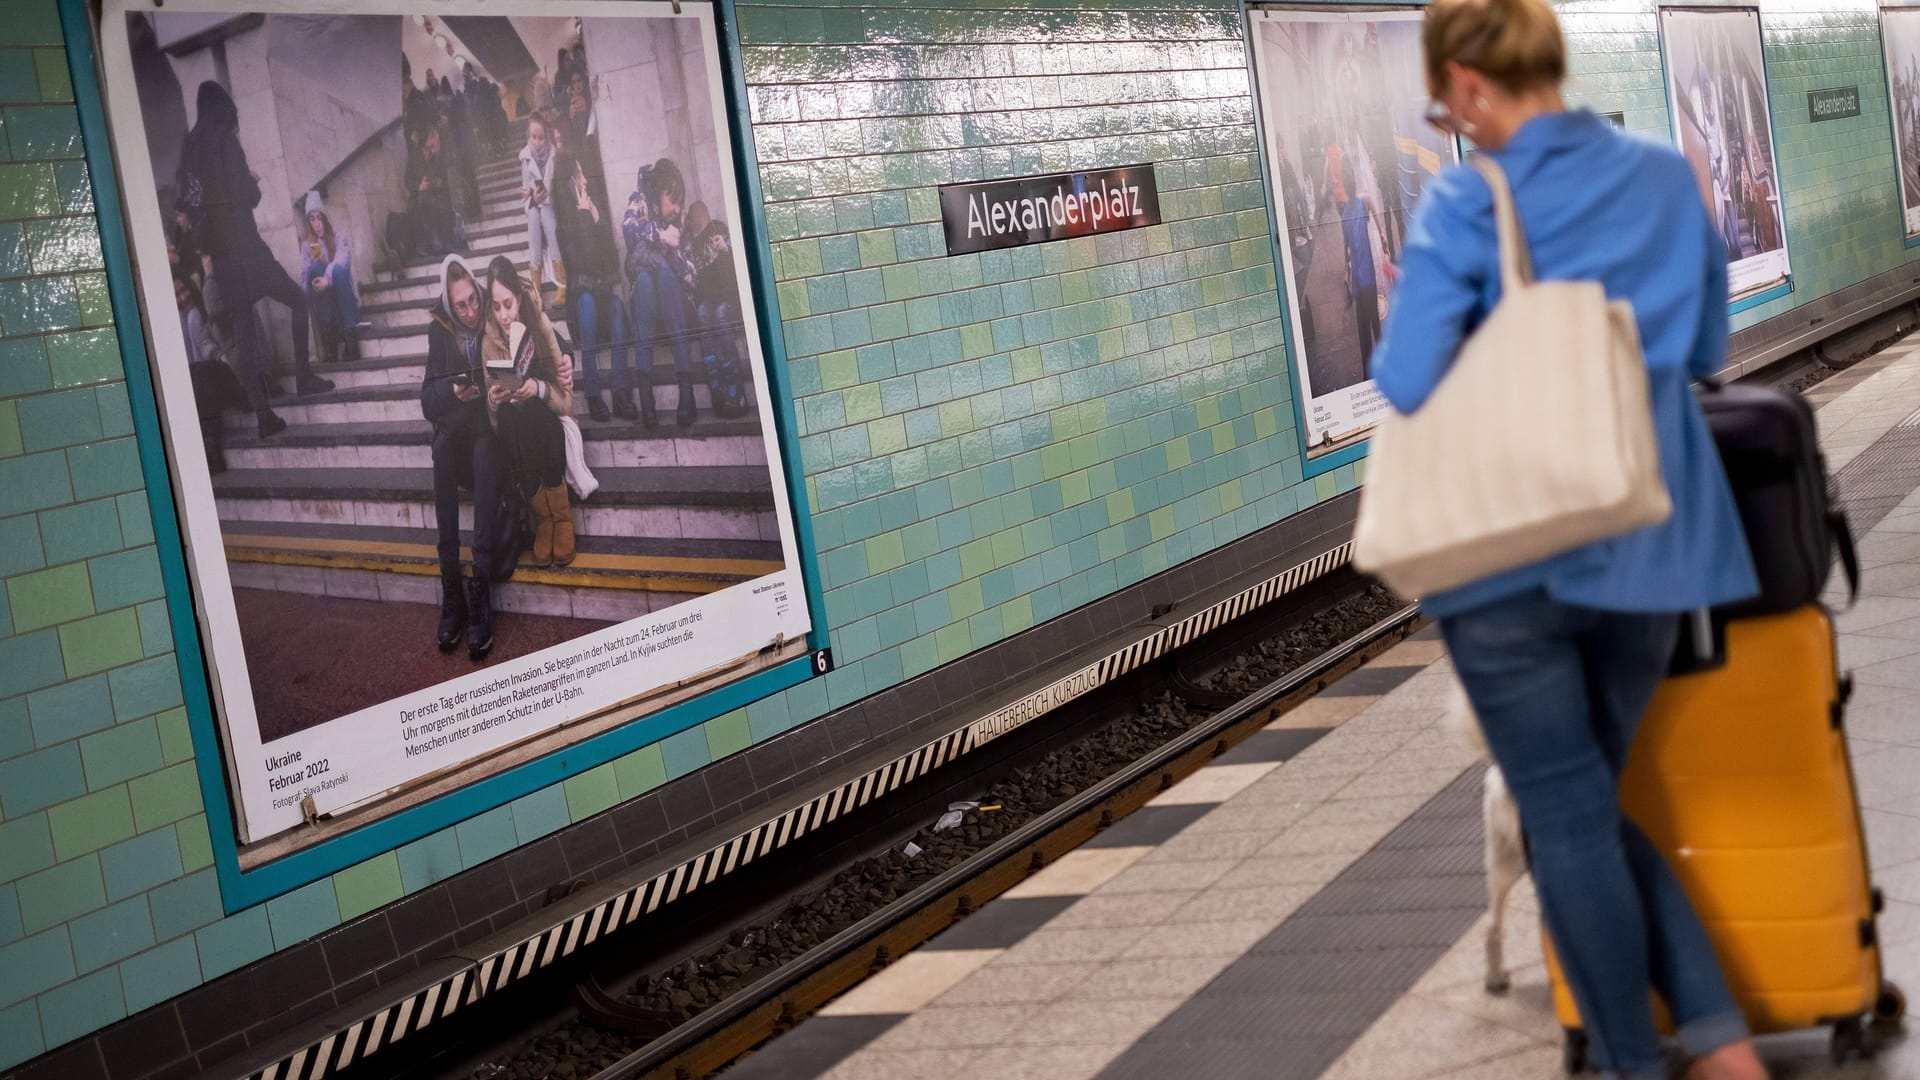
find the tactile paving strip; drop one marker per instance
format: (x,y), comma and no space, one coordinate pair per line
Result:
(1296,1001)
(1884,474)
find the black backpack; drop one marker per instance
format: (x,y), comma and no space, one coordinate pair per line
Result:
(1770,448)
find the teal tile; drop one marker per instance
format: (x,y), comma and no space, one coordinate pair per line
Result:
(34,964)
(60,894)
(303,913)
(235,941)
(126,577)
(20,545)
(84,1005)
(121,753)
(41,779)
(156,628)
(145,688)
(116,410)
(145,862)
(434,857)
(111,934)
(20,1034)
(26,845)
(38,132)
(184,905)
(486,836)
(81,531)
(70,710)
(106,468)
(62,245)
(684,752)
(541,813)
(38,305)
(136,517)
(158,974)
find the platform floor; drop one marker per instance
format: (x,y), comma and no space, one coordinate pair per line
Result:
(1313,904)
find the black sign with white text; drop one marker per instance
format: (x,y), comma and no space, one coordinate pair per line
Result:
(1036,209)
(1835,104)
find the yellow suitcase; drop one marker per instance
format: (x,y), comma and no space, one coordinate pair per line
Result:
(1740,775)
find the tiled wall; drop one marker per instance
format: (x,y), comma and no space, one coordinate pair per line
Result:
(990,440)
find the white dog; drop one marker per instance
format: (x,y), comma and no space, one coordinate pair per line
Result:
(1506,856)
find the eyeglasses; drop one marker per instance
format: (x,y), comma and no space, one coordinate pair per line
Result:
(1440,118)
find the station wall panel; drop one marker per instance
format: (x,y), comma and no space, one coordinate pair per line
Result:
(989,440)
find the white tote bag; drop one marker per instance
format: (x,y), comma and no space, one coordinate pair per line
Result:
(1537,441)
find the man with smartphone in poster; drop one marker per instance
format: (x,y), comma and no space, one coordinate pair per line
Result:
(453,398)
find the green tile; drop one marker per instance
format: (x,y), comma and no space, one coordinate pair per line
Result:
(640,772)
(101,642)
(61,894)
(10,443)
(169,795)
(49,597)
(27,191)
(56,83)
(84,357)
(91,822)
(434,857)
(176,739)
(121,753)
(885,552)
(592,791)
(727,734)
(364,886)
(30,22)
(196,847)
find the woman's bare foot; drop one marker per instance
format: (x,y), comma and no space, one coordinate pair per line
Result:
(1736,1061)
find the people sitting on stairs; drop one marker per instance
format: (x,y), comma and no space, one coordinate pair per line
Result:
(465,455)
(218,191)
(537,195)
(661,277)
(215,388)
(327,280)
(435,229)
(529,388)
(595,310)
(716,312)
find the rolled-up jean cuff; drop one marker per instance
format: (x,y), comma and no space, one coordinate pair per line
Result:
(1710,1033)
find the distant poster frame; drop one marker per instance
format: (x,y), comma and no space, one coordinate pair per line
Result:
(542,695)
(1900,50)
(1396,153)
(1715,62)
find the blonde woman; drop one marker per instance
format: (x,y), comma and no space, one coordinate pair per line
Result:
(1561,658)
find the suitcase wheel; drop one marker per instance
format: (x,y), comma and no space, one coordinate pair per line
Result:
(1890,1007)
(1573,1053)
(1852,1039)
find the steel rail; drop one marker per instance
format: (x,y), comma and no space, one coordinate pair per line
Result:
(779,1000)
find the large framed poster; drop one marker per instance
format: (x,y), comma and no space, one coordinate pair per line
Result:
(455,346)
(1341,103)
(1717,88)
(1900,37)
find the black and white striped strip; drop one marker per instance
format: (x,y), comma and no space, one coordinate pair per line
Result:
(500,969)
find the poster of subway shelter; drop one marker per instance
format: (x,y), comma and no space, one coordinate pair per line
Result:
(1717,87)
(451,326)
(1342,100)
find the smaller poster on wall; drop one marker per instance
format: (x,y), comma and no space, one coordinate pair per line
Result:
(1717,87)
(1900,35)
(1342,99)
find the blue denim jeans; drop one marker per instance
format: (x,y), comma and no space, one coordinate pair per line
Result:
(594,308)
(660,317)
(1560,691)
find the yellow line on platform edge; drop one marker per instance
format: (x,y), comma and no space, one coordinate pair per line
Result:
(576,575)
(585,561)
